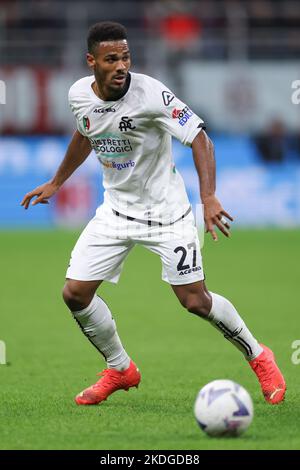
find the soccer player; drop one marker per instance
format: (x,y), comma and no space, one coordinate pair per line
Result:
(129,119)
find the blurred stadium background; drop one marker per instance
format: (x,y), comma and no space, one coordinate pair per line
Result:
(233,62)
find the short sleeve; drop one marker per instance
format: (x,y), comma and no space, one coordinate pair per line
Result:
(75,110)
(172,115)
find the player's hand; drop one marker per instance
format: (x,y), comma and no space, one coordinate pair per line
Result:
(214,215)
(43,193)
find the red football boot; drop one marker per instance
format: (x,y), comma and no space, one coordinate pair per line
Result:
(111,381)
(270,378)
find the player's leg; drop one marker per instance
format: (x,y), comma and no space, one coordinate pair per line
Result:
(182,268)
(180,253)
(222,314)
(96,258)
(96,322)
(79,294)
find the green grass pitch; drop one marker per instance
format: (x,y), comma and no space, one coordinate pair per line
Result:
(49,360)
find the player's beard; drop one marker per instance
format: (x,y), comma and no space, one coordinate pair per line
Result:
(113,90)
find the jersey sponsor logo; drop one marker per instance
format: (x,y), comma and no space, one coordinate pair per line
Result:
(86,123)
(190,270)
(126,123)
(118,166)
(111,145)
(167,97)
(104,110)
(175,113)
(183,115)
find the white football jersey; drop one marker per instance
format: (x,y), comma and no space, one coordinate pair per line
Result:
(132,140)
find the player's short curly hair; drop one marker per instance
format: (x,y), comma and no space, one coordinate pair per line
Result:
(105,31)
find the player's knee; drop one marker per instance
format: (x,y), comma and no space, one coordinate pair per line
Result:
(198,304)
(74,298)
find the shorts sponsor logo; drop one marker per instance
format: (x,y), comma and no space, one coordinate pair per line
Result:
(118,166)
(111,145)
(183,115)
(190,270)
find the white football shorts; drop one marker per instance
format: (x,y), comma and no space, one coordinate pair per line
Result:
(105,242)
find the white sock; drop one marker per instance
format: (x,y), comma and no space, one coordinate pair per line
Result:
(225,318)
(97,324)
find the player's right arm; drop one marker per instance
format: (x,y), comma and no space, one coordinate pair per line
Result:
(77,152)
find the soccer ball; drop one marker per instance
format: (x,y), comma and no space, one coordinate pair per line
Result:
(223,408)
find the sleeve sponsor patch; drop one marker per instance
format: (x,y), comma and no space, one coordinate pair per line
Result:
(167,97)
(182,115)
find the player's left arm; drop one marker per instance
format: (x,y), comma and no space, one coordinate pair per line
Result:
(204,159)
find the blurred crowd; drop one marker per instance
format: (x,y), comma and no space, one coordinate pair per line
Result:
(276,144)
(43,31)
(163,34)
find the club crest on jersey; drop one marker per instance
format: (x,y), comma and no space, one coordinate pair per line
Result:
(183,115)
(86,123)
(126,123)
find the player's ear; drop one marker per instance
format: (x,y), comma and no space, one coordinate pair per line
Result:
(90,60)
